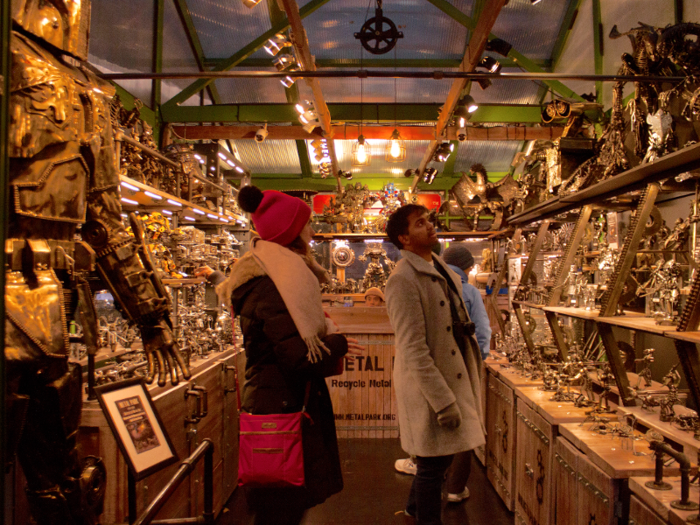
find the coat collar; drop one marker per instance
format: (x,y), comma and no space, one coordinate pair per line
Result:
(423,266)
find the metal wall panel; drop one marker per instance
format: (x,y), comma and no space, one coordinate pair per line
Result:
(251,90)
(381,90)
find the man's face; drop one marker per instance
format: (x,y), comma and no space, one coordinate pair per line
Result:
(421,233)
(373,300)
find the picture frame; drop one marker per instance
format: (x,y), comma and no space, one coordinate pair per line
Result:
(137,427)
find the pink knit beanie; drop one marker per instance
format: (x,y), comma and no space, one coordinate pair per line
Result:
(277,217)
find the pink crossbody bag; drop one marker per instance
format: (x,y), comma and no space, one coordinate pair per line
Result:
(270,452)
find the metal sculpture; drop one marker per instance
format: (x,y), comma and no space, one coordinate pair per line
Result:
(375,275)
(62,178)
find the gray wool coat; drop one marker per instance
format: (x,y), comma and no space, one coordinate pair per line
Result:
(429,370)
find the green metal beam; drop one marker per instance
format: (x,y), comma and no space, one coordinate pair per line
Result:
(159,7)
(567,25)
(598,48)
(242,54)
(374,182)
(519,58)
(370,63)
(191,31)
(372,113)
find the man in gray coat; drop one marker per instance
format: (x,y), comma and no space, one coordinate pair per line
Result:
(436,371)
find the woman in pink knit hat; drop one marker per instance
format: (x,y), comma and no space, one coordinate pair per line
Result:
(289,343)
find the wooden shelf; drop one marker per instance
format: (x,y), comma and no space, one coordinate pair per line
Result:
(148,197)
(650,419)
(671,165)
(529,305)
(660,500)
(691,337)
(579,313)
(635,322)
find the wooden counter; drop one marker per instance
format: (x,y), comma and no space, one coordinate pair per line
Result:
(660,500)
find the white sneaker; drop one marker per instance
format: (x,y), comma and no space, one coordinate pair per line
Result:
(456,498)
(406,466)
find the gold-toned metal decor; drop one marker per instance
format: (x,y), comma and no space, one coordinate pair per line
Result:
(63,181)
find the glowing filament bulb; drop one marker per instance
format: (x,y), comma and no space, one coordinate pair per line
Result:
(395,150)
(361,154)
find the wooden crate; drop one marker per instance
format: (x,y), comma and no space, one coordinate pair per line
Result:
(598,496)
(220,425)
(640,514)
(363,396)
(533,466)
(566,488)
(658,502)
(480,451)
(501,439)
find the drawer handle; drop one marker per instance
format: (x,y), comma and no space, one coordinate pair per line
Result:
(528,471)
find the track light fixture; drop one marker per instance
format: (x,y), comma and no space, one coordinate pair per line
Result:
(429,175)
(410,173)
(361,152)
(395,148)
(277,43)
(347,175)
(499,46)
(533,2)
(490,64)
(465,107)
(288,81)
(250,4)
(283,62)
(443,151)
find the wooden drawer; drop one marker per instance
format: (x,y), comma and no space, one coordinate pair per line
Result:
(640,514)
(533,466)
(500,439)
(598,495)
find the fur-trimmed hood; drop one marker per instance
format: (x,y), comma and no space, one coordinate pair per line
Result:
(244,270)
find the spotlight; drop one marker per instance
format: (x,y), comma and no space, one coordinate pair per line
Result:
(462,134)
(345,174)
(310,126)
(465,107)
(282,62)
(490,64)
(261,134)
(429,175)
(469,102)
(250,4)
(443,151)
(289,81)
(410,173)
(533,2)
(499,46)
(277,43)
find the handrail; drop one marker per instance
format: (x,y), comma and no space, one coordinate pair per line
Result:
(206,450)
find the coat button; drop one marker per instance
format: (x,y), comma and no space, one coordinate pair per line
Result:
(442,303)
(449,328)
(434,279)
(453,352)
(459,376)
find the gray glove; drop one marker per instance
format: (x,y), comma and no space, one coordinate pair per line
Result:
(450,416)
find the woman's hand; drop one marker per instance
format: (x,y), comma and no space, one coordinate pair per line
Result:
(354,348)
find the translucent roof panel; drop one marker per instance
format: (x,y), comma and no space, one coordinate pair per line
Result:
(226,27)
(251,90)
(117,21)
(428,32)
(381,90)
(177,53)
(507,91)
(531,29)
(415,149)
(494,155)
(271,156)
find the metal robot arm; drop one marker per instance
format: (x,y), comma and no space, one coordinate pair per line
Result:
(125,267)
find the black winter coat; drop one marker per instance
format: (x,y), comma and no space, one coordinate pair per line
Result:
(277,371)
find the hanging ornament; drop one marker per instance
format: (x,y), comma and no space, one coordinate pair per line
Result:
(378,35)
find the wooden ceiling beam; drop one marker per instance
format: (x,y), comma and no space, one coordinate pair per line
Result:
(519,133)
(472,56)
(306,61)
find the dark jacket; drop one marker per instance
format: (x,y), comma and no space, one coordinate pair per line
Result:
(277,371)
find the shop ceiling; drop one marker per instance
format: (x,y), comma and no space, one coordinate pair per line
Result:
(219,36)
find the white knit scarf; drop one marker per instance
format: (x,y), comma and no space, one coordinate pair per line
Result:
(297,285)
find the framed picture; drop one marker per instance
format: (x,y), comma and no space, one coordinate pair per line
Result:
(136,426)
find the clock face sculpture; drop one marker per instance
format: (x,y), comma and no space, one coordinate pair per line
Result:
(343,256)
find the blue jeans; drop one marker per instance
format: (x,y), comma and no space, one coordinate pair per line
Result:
(424,500)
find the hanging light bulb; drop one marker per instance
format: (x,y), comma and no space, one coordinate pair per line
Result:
(361,152)
(396,149)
